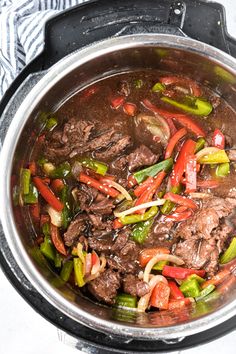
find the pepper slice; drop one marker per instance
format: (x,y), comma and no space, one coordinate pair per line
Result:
(173,141)
(149,253)
(98,185)
(141,231)
(191,173)
(171,80)
(97,166)
(199,108)
(151,171)
(133,219)
(223,169)
(190,288)
(25,175)
(178,199)
(61,171)
(214,158)
(47,194)
(218,139)
(160,296)
(168,205)
(57,240)
(66,270)
(187,149)
(205,292)
(126,300)
(78,269)
(181,273)
(230,253)
(175,292)
(199,144)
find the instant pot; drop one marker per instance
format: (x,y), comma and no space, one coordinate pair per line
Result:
(82,45)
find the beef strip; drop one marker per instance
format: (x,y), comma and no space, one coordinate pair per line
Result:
(124,88)
(105,287)
(75,229)
(85,195)
(114,150)
(161,234)
(232,155)
(102,244)
(91,200)
(133,286)
(121,240)
(142,156)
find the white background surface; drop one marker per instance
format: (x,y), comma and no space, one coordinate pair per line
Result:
(23,331)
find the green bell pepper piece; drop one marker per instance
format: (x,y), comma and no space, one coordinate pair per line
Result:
(165,165)
(61,171)
(168,205)
(160,265)
(32,196)
(230,253)
(215,158)
(126,300)
(97,166)
(66,270)
(200,280)
(134,218)
(205,292)
(138,83)
(223,169)
(58,260)
(66,214)
(78,269)
(190,288)
(199,108)
(200,144)
(51,123)
(25,175)
(141,230)
(158,87)
(48,249)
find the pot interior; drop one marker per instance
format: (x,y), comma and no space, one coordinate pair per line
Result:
(181,61)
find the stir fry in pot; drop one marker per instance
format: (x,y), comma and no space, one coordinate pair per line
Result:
(131,189)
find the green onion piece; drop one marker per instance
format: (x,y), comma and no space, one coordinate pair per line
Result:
(126,300)
(61,171)
(230,253)
(97,166)
(25,175)
(138,83)
(215,158)
(165,165)
(200,107)
(66,214)
(51,123)
(190,288)
(141,231)
(200,144)
(48,249)
(168,205)
(42,161)
(223,169)
(78,269)
(134,218)
(200,280)
(160,265)
(158,87)
(58,260)
(205,292)
(32,196)
(66,270)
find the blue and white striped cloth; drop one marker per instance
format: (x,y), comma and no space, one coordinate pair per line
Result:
(22,33)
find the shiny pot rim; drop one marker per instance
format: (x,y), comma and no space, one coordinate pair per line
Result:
(52,76)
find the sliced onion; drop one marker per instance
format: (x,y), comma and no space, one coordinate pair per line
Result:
(206,151)
(157,258)
(80,252)
(156,125)
(100,270)
(144,300)
(139,207)
(118,187)
(48,168)
(56,216)
(199,195)
(96,265)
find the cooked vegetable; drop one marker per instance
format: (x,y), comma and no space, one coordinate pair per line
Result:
(214,158)
(223,170)
(144,300)
(57,240)
(230,253)
(181,273)
(200,144)
(126,300)
(98,185)
(158,87)
(97,166)
(47,194)
(191,173)
(78,269)
(51,123)
(116,102)
(156,125)
(160,296)
(175,292)
(47,249)
(218,139)
(217,279)
(205,292)
(130,109)
(25,176)
(152,171)
(190,288)
(55,216)
(133,219)
(175,198)
(32,196)
(66,270)
(138,207)
(65,214)
(173,141)
(168,205)
(177,80)
(61,171)
(141,231)
(199,107)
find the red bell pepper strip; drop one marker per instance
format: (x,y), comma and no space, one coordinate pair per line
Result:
(187,149)
(173,141)
(130,108)
(131,181)
(171,80)
(143,186)
(181,273)
(177,304)
(105,189)
(180,216)
(175,292)
(149,253)
(57,240)
(183,119)
(147,195)
(178,199)
(160,296)
(117,102)
(47,194)
(57,185)
(210,183)
(217,279)
(172,126)
(218,139)
(117,224)
(181,209)
(191,173)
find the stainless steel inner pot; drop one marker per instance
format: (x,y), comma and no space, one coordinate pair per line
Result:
(180,55)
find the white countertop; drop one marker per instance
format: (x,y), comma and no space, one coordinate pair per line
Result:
(23,331)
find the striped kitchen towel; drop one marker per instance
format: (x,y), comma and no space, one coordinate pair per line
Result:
(21,33)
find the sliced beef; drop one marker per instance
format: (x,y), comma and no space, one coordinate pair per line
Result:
(115,150)
(133,286)
(232,155)
(85,195)
(142,156)
(199,254)
(119,164)
(121,240)
(75,229)
(104,288)
(161,235)
(53,152)
(101,205)
(91,200)
(124,88)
